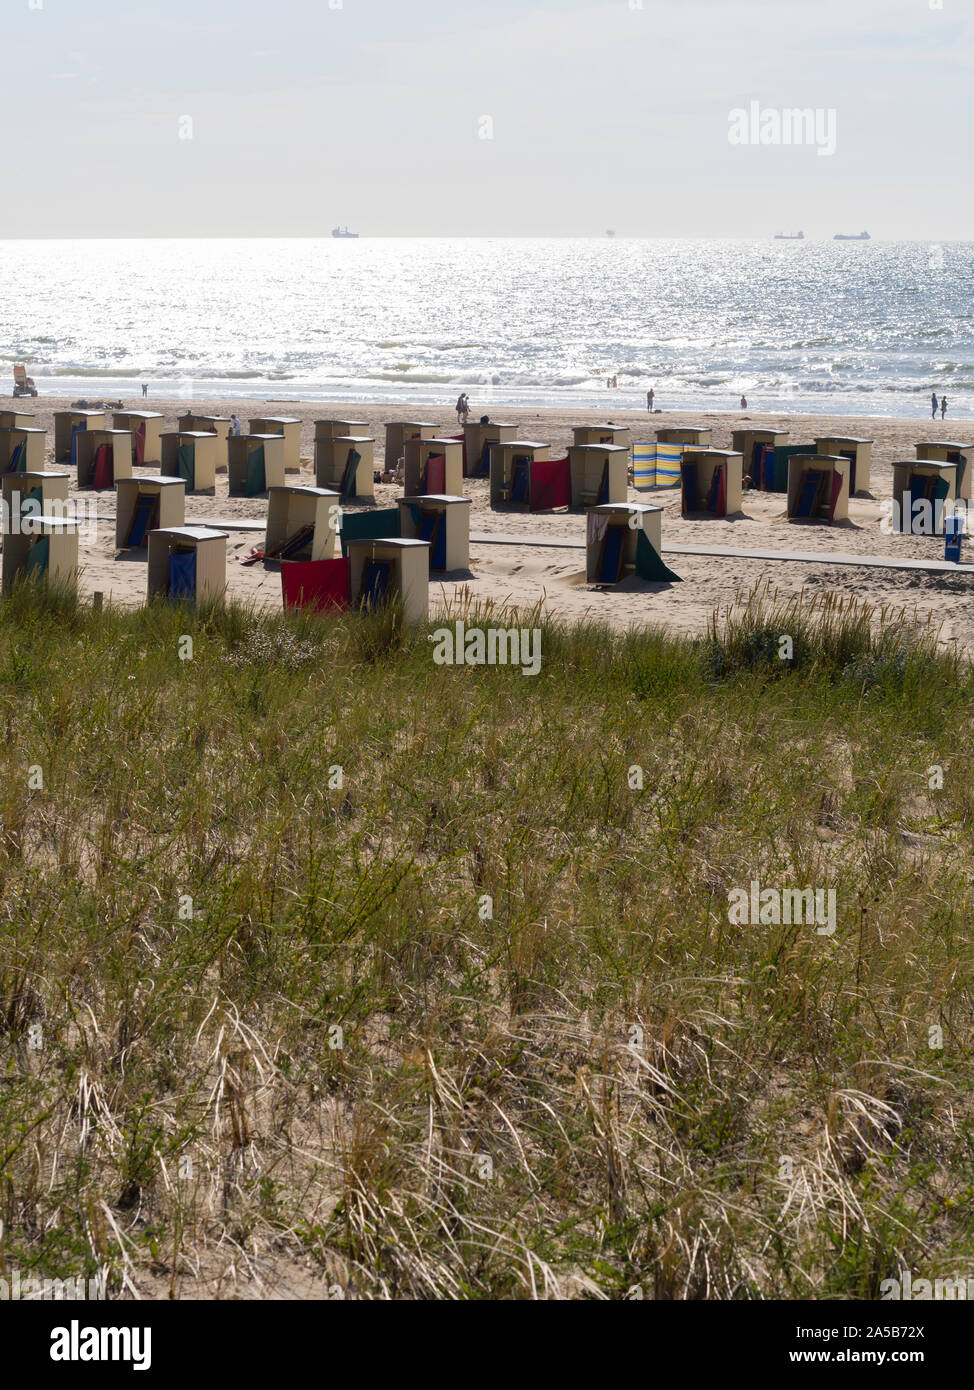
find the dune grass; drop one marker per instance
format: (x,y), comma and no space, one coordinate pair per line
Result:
(328,971)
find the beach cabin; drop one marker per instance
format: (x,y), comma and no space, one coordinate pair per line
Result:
(433,465)
(67,425)
(39,491)
(684,434)
(757,447)
(22,450)
(818,487)
(598,473)
(602,434)
(290,427)
(302,523)
(511,463)
(255,463)
(612,541)
(147,504)
(444,523)
(922,490)
(712,482)
(191,423)
(334,429)
(946,451)
(103,457)
(398,431)
(191,455)
(48,549)
(15,420)
(188,563)
(346,463)
(380,570)
(146,428)
(477,440)
(857,451)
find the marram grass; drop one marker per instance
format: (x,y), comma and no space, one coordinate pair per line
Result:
(328,970)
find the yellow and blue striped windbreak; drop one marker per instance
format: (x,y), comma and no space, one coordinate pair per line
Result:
(656,465)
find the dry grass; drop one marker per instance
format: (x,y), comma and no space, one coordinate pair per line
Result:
(335,1071)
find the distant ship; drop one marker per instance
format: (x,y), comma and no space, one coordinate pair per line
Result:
(789,236)
(842,236)
(344,232)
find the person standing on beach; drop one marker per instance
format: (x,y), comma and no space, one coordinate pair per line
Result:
(145,389)
(650,397)
(943,407)
(744,402)
(933,406)
(234,425)
(462,408)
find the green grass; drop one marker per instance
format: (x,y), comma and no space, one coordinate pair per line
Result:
(598,1085)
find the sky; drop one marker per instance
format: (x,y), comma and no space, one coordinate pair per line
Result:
(485,118)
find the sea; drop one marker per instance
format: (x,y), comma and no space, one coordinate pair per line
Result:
(864,328)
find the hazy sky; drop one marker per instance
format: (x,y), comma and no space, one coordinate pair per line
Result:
(371,112)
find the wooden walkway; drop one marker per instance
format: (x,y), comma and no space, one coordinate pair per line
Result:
(806,557)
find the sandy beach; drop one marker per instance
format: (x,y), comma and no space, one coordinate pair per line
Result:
(523,575)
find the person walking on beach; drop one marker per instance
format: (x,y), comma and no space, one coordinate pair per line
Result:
(463,408)
(933,405)
(650,397)
(943,407)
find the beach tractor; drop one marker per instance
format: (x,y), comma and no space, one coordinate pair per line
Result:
(23,384)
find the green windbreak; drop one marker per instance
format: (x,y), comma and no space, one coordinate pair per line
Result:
(256,473)
(38,555)
(370,526)
(649,563)
(186,463)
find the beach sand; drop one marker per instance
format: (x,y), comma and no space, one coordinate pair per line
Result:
(523,575)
